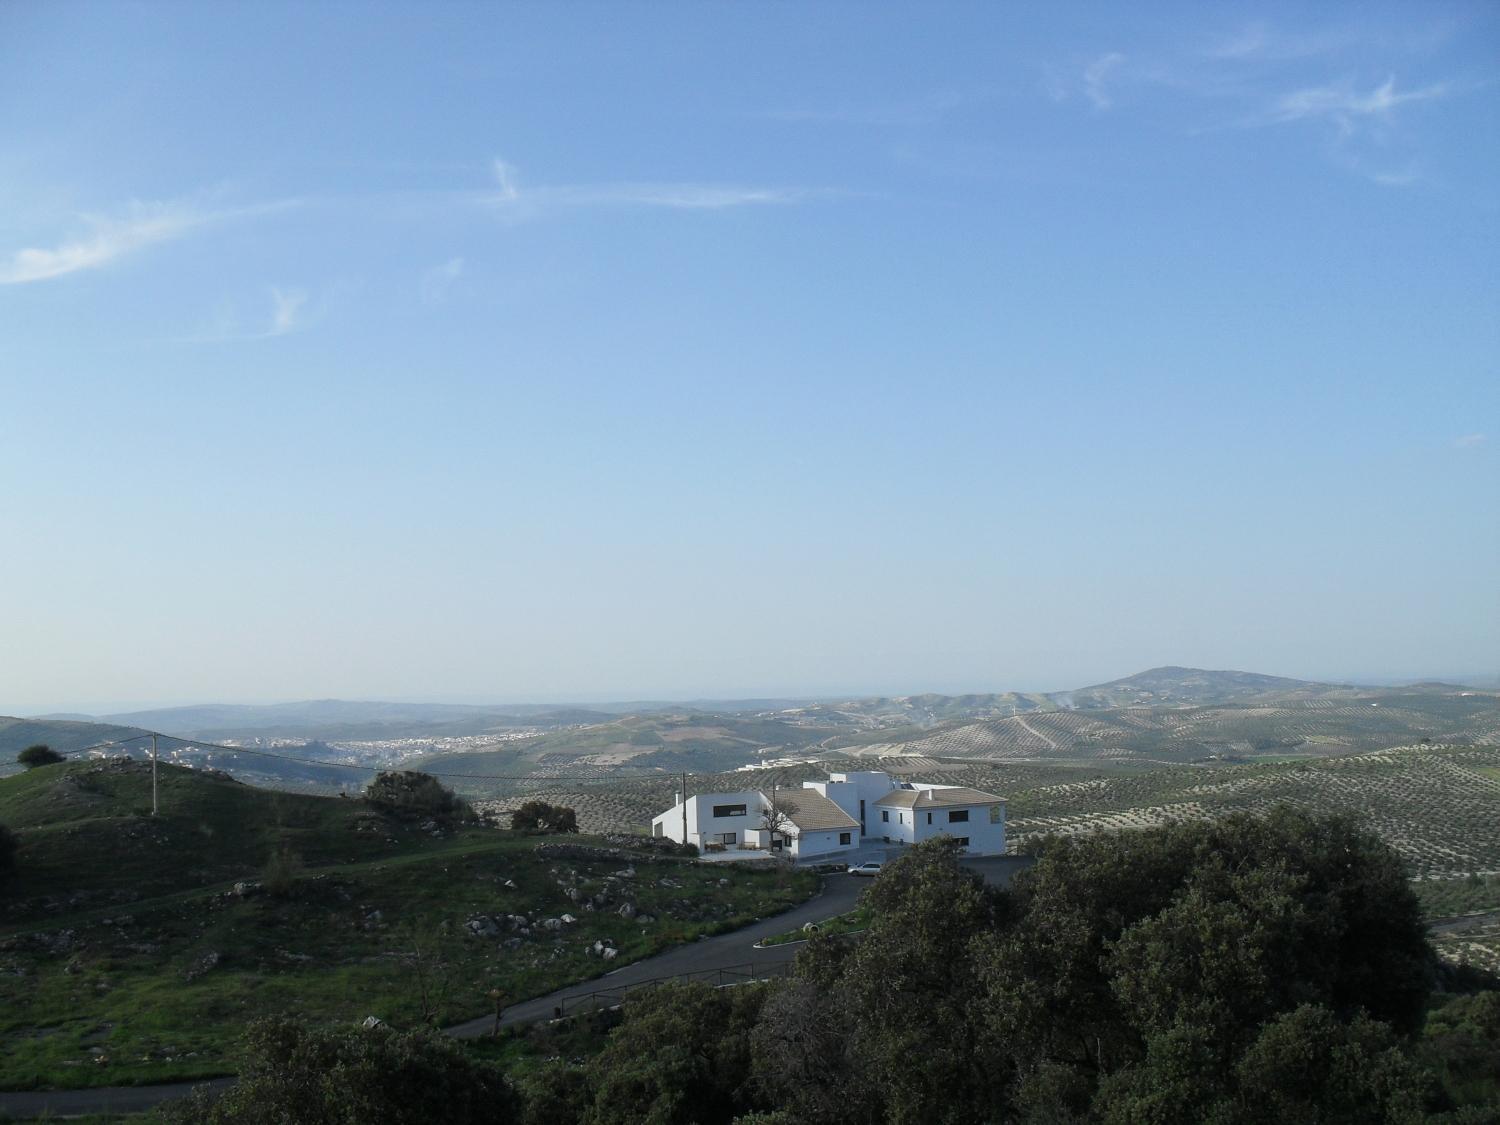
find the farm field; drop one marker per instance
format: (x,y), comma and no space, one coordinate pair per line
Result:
(1240,732)
(1436,805)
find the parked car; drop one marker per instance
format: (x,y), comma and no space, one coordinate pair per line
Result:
(870,869)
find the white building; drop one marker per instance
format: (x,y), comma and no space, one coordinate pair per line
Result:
(837,815)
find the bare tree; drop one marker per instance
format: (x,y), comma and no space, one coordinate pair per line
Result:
(775,819)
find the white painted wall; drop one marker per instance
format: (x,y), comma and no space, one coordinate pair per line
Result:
(898,825)
(809,844)
(986,832)
(847,790)
(703,827)
(986,836)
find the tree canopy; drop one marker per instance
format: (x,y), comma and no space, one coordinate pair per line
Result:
(39,755)
(539,816)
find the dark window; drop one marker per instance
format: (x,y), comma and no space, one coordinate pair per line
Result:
(963,841)
(885,814)
(843,837)
(958,816)
(729,810)
(728,837)
(901,817)
(929,818)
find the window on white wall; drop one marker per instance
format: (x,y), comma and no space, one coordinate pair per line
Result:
(958,816)
(728,837)
(843,837)
(729,810)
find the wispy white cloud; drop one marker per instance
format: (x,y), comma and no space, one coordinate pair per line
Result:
(1343,104)
(1400,177)
(287,306)
(290,311)
(439,279)
(1469,441)
(106,239)
(1096,78)
(505,179)
(684,195)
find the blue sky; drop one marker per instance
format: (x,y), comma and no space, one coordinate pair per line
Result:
(618,351)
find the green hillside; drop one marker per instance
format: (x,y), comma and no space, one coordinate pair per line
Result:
(128,954)
(60,734)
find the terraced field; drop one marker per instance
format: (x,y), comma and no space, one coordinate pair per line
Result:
(1437,805)
(1302,728)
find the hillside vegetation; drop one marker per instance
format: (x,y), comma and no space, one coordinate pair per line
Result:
(135,948)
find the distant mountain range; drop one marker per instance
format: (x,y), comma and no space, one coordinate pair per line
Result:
(1159,711)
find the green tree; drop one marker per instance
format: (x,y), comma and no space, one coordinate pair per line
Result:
(539,816)
(353,1076)
(904,992)
(1307,1065)
(697,1067)
(38,755)
(410,793)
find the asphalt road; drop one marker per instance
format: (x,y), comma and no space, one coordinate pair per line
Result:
(721,959)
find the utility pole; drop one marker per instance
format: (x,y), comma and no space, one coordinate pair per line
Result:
(684,806)
(153,775)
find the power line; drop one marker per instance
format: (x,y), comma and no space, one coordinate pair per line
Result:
(220,747)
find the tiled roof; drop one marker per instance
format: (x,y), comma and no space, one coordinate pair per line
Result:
(938,798)
(810,811)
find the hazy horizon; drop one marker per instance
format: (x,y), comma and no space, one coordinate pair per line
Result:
(118,708)
(548,353)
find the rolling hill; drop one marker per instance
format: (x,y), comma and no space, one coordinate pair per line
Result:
(134,948)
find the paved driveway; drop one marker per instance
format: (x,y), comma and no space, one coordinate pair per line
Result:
(725,957)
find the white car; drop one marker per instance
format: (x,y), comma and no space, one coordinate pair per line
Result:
(870,869)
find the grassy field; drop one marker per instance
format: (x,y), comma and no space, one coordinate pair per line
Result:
(851,923)
(127,955)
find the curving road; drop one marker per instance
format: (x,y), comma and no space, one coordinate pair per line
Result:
(723,958)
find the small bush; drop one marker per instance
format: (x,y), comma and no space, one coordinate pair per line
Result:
(290,1072)
(38,755)
(539,816)
(409,793)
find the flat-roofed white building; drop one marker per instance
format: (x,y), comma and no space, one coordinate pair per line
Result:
(824,818)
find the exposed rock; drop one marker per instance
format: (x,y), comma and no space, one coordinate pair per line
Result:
(482,927)
(372,1022)
(626,911)
(202,965)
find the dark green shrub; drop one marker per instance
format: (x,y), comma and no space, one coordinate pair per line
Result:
(38,755)
(409,793)
(539,816)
